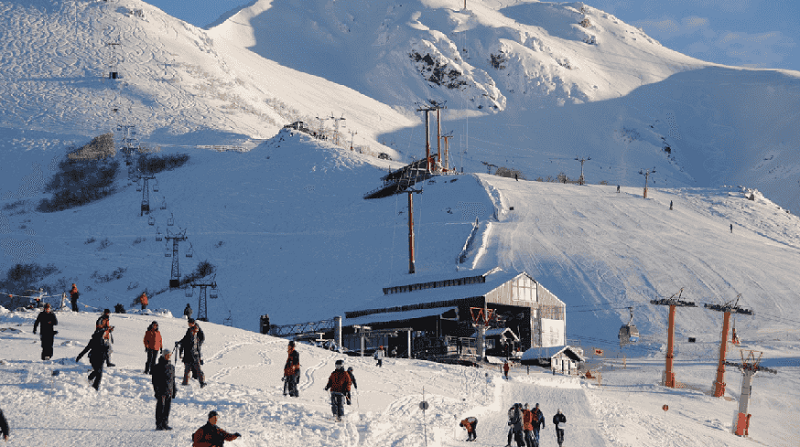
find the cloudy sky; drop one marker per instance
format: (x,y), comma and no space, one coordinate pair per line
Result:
(753,33)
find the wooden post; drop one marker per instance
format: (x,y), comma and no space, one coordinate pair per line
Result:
(719,384)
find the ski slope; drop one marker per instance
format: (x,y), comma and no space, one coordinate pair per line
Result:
(243,370)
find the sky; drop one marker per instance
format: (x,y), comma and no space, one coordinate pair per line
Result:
(753,33)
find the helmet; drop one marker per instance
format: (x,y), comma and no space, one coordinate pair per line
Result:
(340,364)
(350,369)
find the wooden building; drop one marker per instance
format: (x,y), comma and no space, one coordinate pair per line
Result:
(438,312)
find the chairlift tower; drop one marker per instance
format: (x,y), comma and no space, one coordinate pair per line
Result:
(672,302)
(412,269)
(113,62)
(727,309)
(336,122)
(427,109)
(175,274)
(582,160)
(749,367)
(446,161)
(146,194)
(481,316)
(646,173)
(202,303)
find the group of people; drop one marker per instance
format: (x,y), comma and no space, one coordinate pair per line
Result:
(524,425)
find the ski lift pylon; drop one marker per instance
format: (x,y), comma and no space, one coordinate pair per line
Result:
(167,250)
(628,333)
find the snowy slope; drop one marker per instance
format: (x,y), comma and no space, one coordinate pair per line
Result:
(243,370)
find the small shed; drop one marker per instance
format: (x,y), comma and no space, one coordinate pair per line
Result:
(564,360)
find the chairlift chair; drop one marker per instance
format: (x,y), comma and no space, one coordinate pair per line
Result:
(213,294)
(151,220)
(138,185)
(190,252)
(171,220)
(189,291)
(167,250)
(159,235)
(628,333)
(163,204)
(155,185)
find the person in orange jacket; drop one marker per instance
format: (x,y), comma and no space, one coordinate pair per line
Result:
(73,295)
(339,383)
(506,367)
(470,424)
(152,346)
(291,371)
(143,300)
(210,435)
(527,426)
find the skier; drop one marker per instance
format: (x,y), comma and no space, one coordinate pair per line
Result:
(187,312)
(670,205)
(379,357)
(353,380)
(143,300)
(73,295)
(190,347)
(152,346)
(97,356)
(470,424)
(538,422)
(339,383)
(4,427)
(164,389)
(559,420)
(210,435)
(291,371)
(48,321)
(515,424)
(104,323)
(506,367)
(731,228)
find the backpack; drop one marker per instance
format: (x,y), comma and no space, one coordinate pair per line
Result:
(201,337)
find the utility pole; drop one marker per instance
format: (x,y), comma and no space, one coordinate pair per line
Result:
(749,368)
(672,302)
(582,160)
(352,138)
(427,110)
(646,174)
(727,309)
(175,274)
(202,303)
(412,269)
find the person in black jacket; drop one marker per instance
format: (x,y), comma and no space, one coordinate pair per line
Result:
(164,389)
(190,347)
(187,311)
(4,427)
(210,435)
(97,356)
(538,423)
(49,322)
(353,380)
(558,422)
(291,371)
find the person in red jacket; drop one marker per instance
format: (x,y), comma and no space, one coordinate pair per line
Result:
(143,300)
(210,435)
(291,372)
(470,424)
(339,383)
(527,426)
(506,367)
(152,346)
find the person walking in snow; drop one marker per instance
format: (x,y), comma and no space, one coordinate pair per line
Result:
(210,435)
(104,323)
(73,295)
(379,354)
(527,426)
(515,425)
(670,205)
(187,311)
(538,422)
(48,321)
(190,347)
(506,367)
(143,300)
(469,425)
(164,389)
(152,346)
(339,384)
(353,380)
(4,427)
(97,356)
(291,371)
(559,420)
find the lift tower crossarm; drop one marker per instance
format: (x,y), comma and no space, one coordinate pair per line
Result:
(749,367)
(672,302)
(727,309)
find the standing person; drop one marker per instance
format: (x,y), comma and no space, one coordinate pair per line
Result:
(73,295)
(670,205)
(538,422)
(355,385)
(379,356)
(104,323)
(339,383)
(527,426)
(190,346)
(515,425)
(291,371)
(470,424)
(49,322)
(731,228)
(164,389)
(152,346)
(4,427)
(559,420)
(506,367)
(143,300)
(187,311)
(97,356)
(210,435)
